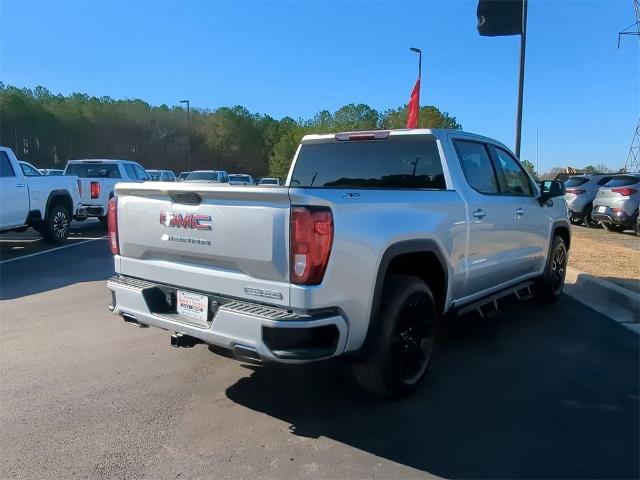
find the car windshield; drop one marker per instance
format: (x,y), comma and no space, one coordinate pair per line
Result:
(210,176)
(154,174)
(623,181)
(576,181)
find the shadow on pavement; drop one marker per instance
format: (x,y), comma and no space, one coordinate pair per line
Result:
(535,392)
(86,262)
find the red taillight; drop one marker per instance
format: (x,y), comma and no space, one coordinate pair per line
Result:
(625,192)
(112,222)
(95,190)
(311,239)
(617,210)
(575,191)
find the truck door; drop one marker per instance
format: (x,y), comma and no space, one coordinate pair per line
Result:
(14,194)
(530,216)
(494,240)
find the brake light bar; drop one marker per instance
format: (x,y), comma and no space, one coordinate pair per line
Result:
(355,136)
(575,191)
(311,231)
(112,225)
(95,190)
(624,191)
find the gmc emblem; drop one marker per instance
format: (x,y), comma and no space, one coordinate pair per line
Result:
(185,220)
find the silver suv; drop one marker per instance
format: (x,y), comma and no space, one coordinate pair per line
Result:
(581,190)
(616,204)
(374,238)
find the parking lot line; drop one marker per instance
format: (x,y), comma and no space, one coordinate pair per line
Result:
(52,250)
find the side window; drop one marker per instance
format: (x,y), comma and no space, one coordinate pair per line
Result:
(128,167)
(29,171)
(477,166)
(141,174)
(511,176)
(6,170)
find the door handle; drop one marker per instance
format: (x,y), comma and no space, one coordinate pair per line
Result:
(519,211)
(21,185)
(479,214)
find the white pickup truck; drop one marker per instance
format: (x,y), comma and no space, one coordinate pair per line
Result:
(98,179)
(46,203)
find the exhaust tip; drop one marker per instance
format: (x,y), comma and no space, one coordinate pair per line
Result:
(132,320)
(245,352)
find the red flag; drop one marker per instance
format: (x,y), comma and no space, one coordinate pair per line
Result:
(414,106)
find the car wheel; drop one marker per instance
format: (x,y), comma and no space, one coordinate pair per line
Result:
(55,228)
(588,221)
(611,227)
(401,352)
(549,287)
(636,225)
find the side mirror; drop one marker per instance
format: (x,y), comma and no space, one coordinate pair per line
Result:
(551,189)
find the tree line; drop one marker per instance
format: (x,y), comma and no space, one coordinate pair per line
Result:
(48,129)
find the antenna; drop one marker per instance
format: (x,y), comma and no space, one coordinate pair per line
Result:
(632,165)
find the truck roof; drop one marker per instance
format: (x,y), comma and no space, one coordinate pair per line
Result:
(101,160)
(436,132)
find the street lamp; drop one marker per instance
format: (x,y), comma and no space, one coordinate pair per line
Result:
(419,52)
(188,134)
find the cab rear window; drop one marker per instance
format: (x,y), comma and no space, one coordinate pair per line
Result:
(93,170)
(400,162)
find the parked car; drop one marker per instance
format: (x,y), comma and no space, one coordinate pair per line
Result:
(376,236)
(616,204)
(30,199)
(218,176)
(98,179)
(581,190)
(183,176)
(270,182)
(51,171)
(241,179)
(161,175)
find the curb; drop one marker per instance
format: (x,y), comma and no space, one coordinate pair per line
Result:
(617,303)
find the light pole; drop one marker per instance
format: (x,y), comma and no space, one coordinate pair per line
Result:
(188,134)
(419,52)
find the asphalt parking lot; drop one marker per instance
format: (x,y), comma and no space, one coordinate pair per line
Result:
(534,392)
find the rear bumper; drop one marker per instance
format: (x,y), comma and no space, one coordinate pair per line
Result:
(609,216)
(86,211)
(274,334)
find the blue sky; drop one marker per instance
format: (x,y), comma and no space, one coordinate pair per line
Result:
(295,58)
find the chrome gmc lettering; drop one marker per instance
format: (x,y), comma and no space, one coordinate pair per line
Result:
(185,220)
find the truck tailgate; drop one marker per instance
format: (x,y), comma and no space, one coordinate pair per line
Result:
(227,240)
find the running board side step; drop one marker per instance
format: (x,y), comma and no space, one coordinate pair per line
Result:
(487,307)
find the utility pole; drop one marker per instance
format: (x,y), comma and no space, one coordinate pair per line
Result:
(632,165)
(188,135)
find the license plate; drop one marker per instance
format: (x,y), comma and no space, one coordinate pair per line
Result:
(602,209)
(193,305)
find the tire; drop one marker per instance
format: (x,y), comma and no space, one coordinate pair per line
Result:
(549,287)
(611,227)
(588,221)
(55,229)
(401,352)
(636,225)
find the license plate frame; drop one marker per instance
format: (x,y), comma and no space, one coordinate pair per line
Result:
(602,209)
(193,306)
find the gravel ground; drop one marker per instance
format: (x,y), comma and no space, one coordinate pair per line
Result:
(608,255)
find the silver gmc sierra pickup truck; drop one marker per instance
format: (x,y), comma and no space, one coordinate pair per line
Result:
(373,239)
